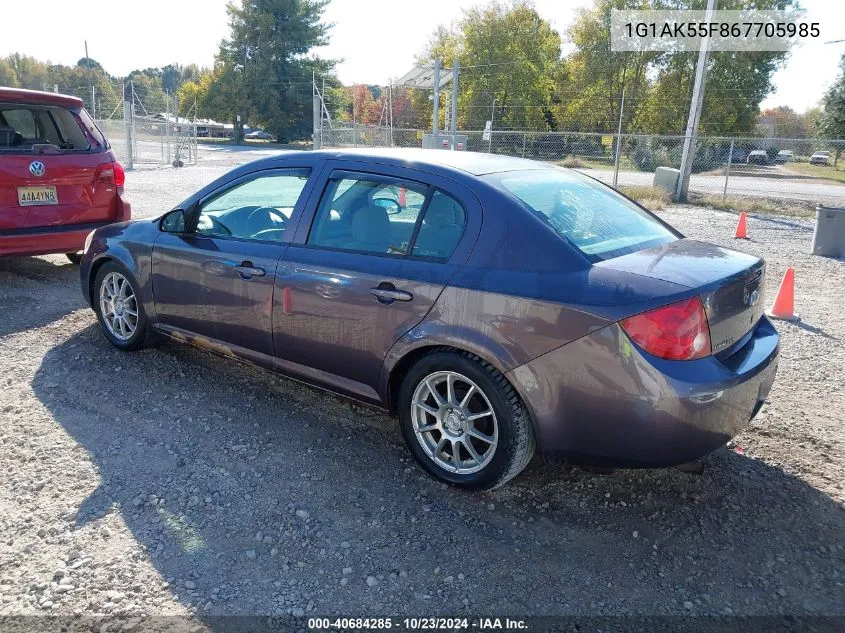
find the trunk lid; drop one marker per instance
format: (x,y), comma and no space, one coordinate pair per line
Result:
(731,284)
(53,163)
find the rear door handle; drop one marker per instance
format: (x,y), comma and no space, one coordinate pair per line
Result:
(247,270)
(389,295)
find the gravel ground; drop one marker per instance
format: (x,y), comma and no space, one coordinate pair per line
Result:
(173,482)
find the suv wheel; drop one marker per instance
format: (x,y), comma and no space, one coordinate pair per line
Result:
(119,312)
(463,421)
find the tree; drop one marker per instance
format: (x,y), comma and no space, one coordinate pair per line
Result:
(787,122)
(266,63)
(596,76)
(831,123)
(8,76)
(509,54)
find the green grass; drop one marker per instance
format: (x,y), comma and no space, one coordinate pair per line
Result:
(793,208)
(654,198)
(828,172)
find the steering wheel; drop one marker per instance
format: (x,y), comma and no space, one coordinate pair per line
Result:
(262,217)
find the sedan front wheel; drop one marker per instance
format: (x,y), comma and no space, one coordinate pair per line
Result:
(119,310)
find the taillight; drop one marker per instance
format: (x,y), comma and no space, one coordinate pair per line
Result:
(112,173)
(678,331)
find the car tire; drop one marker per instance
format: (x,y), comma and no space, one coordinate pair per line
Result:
(75,258)
(134,333)
(433,437)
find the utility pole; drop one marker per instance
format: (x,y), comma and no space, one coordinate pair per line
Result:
(90,81)
(456,66)
(435,118)
(695,110)
(618,140)
(316,112)
(492,114)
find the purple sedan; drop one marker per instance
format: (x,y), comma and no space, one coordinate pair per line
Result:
(498,306)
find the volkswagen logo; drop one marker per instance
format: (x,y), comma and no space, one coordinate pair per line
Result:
(37,168)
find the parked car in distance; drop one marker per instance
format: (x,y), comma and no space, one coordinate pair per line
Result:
(494,304)
(59,178)
(820,158)
(738,155)
(784,156)
(260,135)
(758,157)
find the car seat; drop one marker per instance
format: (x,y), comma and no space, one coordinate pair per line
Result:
(441,228)
(370,230)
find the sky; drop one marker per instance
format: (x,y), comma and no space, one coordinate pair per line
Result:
(377,39)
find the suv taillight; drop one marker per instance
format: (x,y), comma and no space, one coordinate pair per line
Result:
(678,331)
(112,173)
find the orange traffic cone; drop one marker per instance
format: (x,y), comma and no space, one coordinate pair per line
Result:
(784,306)
(742,227)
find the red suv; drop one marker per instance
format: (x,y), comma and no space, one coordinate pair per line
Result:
(59,178)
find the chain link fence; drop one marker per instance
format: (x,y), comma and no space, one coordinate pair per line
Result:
(143,129)
(804,170)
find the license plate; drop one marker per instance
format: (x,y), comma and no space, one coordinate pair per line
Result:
(32,196)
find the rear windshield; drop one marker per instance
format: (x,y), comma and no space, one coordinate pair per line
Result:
(26,129)
(594,218)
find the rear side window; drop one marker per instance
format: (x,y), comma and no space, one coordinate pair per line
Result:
(22,121)
(442,227)
(23,128)
(594,218)
(368,216)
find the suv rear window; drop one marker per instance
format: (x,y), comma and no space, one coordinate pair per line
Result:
(598,221)
(26,129)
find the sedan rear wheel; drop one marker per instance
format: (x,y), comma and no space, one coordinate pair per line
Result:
(463,421)
(454,422)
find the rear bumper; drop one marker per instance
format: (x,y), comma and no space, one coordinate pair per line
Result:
(602,400)
(64,238)
(45,240)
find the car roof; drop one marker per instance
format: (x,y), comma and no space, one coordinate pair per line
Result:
(474,163)
(37,97)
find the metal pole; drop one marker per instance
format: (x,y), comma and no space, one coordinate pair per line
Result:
(728,171)
(390,112)
(167,124)
(618,140)
(490,140)
(695,111)
(127,122)
(523,144)
(316,113)
(456,66)
(436,113)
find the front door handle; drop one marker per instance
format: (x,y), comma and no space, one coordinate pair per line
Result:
(247,270)
(390,294)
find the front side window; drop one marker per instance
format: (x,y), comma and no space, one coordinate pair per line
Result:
(594,218)
(370,216)
(257,209)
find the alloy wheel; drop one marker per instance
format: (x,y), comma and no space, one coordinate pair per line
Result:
(454,422)
(118,306)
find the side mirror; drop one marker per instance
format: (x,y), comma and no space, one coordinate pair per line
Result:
(173,222)
(389,204)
